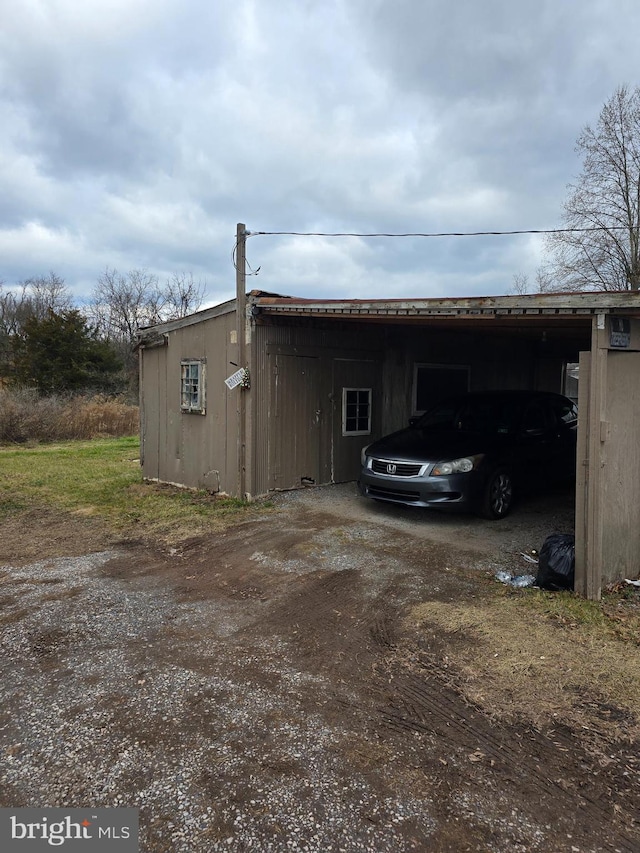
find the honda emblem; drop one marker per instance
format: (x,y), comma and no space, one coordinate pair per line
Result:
(391,468)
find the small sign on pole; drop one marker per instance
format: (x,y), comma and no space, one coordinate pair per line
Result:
(235,379)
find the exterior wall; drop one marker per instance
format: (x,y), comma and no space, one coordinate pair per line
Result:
(300,368)
(297,378)
(494,362)
(294,408)
(193,450)
(608,482)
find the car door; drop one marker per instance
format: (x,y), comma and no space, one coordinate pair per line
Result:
(538,448)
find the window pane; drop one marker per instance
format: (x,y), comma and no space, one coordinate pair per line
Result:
(191,397)
(356,410)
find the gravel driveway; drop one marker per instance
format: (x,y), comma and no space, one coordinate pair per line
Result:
(248,691)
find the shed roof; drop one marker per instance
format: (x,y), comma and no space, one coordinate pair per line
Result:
(559,310)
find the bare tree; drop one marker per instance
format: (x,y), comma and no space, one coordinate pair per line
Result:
(36,297)
(182,296)
(520,284)
(44,293)
(7,326)
(8,311)
(606,199)
(121,304)
(33,298)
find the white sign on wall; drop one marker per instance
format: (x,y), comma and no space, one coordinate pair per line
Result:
(235,379)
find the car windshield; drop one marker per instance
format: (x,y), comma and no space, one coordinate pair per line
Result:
(489,416)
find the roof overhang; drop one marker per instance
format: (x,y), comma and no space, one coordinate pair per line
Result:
(150,334)
(534,305)
(557,311)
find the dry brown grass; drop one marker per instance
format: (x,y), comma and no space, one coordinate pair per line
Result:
(26,417)
(544,659)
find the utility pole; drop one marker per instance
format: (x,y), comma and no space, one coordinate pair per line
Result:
(241,332)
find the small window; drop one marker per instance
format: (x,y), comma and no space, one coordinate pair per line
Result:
(356,411)
(192,386)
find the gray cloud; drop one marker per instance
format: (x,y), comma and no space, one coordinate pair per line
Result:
(136,133)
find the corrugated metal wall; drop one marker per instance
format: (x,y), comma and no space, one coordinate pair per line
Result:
(494,362)
(608,478)
(191,449)
(294,398)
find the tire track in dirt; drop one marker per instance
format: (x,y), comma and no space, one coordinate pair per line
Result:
(426,703)
(321,618)
(332,626)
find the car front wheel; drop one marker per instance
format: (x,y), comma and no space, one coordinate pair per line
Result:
(498,495)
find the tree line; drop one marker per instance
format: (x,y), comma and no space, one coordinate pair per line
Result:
(598,247)
(50,344)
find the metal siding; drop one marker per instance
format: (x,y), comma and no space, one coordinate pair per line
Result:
(151,361)
(583,480)
(344,338)
(261,397)
(620,493)
(296,424)
(345,449)
(494,362)
(192,446)
(285,426)
(608,487)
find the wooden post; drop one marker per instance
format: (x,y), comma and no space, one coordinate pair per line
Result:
(241,319)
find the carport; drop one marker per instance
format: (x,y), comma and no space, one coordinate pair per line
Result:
(600,331)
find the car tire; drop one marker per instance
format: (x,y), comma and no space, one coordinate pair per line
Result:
(498,494)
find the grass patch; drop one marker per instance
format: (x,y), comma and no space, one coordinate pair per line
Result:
(545,657)
(102,478)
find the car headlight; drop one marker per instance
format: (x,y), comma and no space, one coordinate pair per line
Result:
(457,466)
(363,455)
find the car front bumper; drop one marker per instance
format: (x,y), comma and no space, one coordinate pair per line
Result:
(460,492)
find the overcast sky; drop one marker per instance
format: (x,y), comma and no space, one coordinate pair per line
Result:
(135,134)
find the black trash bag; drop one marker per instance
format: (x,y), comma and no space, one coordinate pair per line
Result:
(557,562)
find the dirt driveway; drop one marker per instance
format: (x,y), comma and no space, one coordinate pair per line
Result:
(261,690)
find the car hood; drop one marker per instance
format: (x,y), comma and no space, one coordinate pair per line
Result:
(417,445)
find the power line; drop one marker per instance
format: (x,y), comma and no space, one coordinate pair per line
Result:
(433,234)
(590,229)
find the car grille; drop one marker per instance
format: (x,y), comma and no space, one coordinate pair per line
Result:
(401,495)
(400,469)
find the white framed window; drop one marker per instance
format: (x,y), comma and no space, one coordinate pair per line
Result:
(356,411)
(434,382)
(192,389)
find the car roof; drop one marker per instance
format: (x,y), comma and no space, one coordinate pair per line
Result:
(516,397)
(515,394)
